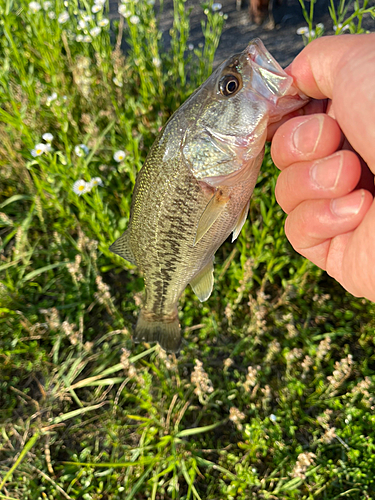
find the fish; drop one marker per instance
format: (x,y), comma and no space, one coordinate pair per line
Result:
(194,188)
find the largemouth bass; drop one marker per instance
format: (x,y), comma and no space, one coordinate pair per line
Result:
(194,188)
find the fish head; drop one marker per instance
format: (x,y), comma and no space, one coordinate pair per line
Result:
(230,112)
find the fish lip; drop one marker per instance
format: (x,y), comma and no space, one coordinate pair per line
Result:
(261,60)
(255,48)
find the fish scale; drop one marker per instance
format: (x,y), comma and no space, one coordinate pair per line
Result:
(195,185)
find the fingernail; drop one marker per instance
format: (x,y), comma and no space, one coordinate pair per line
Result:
(326,173)
(348,206)
(306,136)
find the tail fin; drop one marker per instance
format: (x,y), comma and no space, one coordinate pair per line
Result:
(165,330)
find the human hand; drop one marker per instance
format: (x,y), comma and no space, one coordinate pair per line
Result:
(327,160)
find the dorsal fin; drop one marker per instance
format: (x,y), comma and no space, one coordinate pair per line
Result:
(212,211)
(122,248)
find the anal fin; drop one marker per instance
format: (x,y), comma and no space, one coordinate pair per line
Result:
(122,248)
(212,212)
(240,221)
(203,283)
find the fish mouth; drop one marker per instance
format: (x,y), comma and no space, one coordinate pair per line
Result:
(268,75)
(268,78)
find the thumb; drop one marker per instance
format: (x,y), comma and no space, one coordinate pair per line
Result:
(316,67)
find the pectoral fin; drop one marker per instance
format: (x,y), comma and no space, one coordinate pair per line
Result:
(211,213)
(240,221)
(122,248)
(203,282)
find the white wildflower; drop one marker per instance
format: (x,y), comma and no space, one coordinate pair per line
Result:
(96,8)
(191,46)
(87,39)
(63,17)
(304,30)
(99,2)
(82,24)
(320,26)
(47,5)
(66,3)
(95,31)
(103,22)
(81,150)
(156,62)
(206,11)
(47,148)
(79,38)
(34,7)
(273,417)
(341,28)
(119,156)
(39,149)
(123,10)
(117,82)
(47,137)
(51,14)
(96,181)
(216,6)
(88,18)
(81,187)
(134,19)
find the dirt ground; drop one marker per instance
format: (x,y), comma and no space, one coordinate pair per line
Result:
(282,41)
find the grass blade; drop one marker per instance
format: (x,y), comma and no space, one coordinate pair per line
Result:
(30,443)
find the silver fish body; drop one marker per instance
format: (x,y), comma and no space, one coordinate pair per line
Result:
(194,188)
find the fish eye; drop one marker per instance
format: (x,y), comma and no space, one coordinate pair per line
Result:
(228,85)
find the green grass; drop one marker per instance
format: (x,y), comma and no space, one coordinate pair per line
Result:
(272,394)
